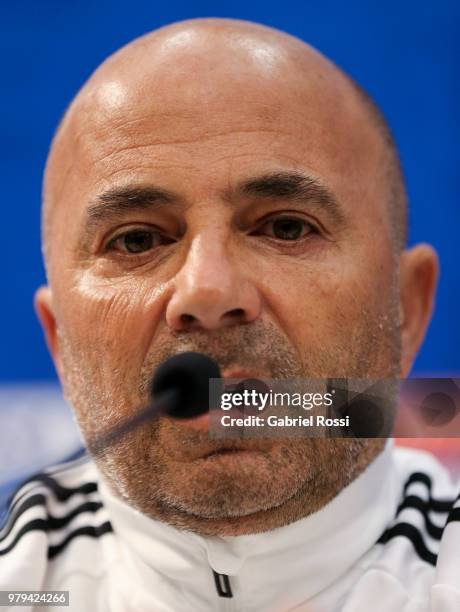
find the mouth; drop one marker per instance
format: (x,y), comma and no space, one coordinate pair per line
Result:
(230,453)
(200,422)
(241,374)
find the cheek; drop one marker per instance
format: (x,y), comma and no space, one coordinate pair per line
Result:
(304,297)
(118,318)
(319,303)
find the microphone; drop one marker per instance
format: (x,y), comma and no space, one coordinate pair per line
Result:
(180,389)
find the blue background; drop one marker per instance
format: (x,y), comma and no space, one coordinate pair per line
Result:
(405,53)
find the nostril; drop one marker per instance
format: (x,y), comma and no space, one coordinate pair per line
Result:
(236,313)
(186,319)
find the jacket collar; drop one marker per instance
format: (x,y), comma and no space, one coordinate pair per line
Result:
(301,559)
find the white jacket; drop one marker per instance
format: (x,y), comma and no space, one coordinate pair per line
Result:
(382,545)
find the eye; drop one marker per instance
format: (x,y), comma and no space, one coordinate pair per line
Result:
(286,228)
(138,241)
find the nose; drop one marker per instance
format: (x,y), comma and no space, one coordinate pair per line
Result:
(211,290)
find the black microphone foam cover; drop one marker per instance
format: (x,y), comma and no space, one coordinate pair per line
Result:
(187,375)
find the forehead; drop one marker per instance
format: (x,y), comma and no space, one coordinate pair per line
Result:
(203,119)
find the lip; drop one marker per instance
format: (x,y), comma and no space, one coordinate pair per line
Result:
(245,374)
(199,422)
(228,452)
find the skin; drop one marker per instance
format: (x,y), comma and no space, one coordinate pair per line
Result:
(196,108)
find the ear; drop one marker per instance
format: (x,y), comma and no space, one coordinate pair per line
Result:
(419,269)
(43,303)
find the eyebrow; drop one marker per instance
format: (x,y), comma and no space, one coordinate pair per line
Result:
(294,186)
(116,202)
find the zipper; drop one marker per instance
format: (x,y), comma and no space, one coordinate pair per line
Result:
(224,592)
(223,586)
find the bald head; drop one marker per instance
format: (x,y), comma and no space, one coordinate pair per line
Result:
(170,71)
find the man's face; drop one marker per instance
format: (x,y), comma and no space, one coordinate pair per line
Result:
(237,208)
